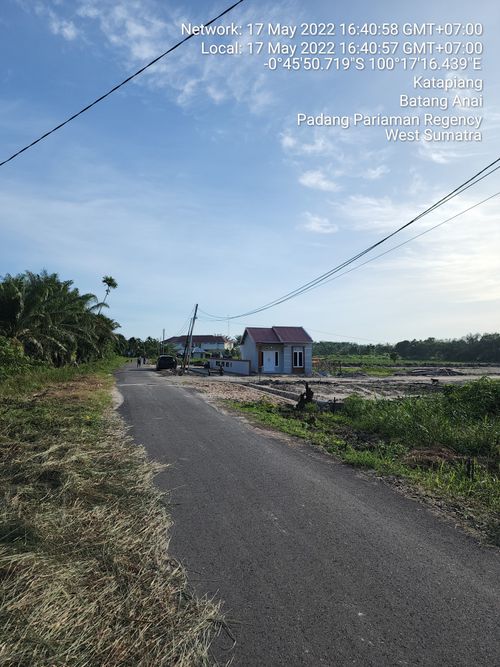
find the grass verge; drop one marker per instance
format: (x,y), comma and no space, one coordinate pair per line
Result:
(85,575)
(445,445)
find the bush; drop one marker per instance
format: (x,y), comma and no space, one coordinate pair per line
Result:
(465,419)
(475,399)
(12,359)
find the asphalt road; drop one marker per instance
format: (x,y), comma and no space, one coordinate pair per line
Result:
(317,563)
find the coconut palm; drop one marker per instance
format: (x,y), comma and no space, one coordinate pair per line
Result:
(110,283)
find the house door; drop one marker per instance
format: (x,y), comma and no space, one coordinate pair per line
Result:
(269,365)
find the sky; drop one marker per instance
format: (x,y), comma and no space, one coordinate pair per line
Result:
(194,183)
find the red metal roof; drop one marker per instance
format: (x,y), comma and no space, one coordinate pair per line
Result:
(262,335)
(292,335)
(278,335)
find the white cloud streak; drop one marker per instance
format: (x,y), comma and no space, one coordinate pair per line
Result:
(318,225)
(137,31)
(317,180)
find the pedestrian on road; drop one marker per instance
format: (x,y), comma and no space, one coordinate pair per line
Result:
(138,362)
(144,360)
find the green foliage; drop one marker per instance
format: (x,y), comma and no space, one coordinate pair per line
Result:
(52,321)
(465,419)
(110,283)
(149,347)
(470,348)
(344,349)
(474,399)
(473,348)
(12,359)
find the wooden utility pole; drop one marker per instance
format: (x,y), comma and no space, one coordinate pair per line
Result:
(189,341)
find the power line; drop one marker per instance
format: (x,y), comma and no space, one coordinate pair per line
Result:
(184,327)
(304,288)
(396,247)
(426,231)
(183,330)
(115,88)
(479,176)
(346,337)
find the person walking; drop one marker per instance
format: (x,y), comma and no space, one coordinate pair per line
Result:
(138,362)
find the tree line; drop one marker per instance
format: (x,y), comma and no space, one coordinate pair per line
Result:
(138,347)
(473,348)
(48,320)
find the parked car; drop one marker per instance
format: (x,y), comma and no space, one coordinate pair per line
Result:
(166,361)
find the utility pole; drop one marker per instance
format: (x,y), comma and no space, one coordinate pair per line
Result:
(189,342)
(163,342)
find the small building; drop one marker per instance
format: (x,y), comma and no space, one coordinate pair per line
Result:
(201,344)
(280,350)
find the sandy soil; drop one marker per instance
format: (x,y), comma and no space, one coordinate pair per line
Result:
(405,382)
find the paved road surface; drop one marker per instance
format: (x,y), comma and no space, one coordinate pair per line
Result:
(317,563)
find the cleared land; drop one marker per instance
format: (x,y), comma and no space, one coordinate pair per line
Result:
(401,382)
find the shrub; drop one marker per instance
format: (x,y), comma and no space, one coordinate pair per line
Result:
(12,359)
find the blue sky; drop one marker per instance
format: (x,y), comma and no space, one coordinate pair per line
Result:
(194,183)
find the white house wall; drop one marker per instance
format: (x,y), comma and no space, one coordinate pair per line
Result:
(308,358)
(248,351)
(287,359)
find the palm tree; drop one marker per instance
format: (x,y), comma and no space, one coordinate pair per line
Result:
(52,320)
(110,283)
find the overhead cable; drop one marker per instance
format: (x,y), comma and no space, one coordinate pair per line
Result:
(479,176)
(115,88)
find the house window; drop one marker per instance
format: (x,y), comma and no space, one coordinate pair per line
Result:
(298,357)
(276,358)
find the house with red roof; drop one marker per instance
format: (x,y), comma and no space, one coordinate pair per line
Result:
(203,344)
(279,350)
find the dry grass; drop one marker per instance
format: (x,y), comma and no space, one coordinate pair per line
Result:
(85,575)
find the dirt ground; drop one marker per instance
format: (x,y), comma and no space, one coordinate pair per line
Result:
(404,382)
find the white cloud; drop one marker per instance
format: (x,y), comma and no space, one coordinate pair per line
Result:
(319,142)
(318,181)
(457,262)
(66,29)
(374,173)
(443,153)
(375,213)
(136,31)
(58,25)
(318,225)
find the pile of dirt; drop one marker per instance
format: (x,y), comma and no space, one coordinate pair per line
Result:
(435,372)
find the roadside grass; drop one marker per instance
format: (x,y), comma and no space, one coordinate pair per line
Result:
(446,444)
(85,575)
